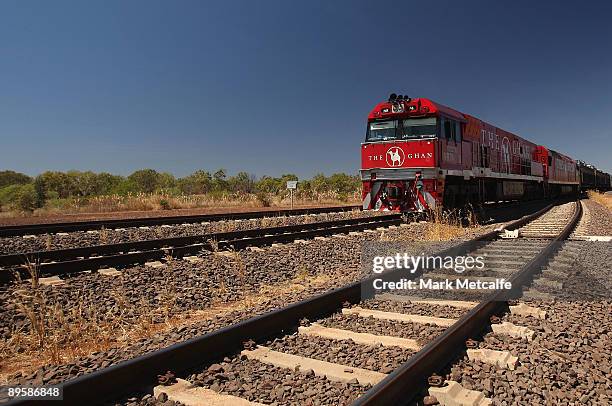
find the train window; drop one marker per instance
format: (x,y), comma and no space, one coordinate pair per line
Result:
(457,131)
(382,130)
(449,129)
(418,128)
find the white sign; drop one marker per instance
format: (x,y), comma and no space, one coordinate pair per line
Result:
(292,184)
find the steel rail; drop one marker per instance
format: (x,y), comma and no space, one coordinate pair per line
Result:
(45,228)
(70,260)
(118,380)
(402,385)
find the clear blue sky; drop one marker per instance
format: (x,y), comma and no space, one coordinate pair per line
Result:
(285,86)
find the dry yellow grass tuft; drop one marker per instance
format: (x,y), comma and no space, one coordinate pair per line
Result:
(448,225)
(61,335)
(601,198)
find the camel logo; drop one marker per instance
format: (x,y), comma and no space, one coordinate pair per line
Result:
(395,156)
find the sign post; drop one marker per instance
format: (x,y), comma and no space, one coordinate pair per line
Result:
(292,185)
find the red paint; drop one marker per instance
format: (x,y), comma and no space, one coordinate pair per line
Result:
(398,154)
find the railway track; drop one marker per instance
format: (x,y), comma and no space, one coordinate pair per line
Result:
(74,260)
(198,356)
(64,227)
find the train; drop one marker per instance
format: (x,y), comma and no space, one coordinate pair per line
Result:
(419,155)
(592,178)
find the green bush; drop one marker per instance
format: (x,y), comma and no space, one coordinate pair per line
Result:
(164,204)
(8,178)
(8,195)
(26,198)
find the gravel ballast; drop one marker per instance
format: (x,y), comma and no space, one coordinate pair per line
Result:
(194,287)
(256,381)
(568,361)
(423,333)
(345,352)
(45,242)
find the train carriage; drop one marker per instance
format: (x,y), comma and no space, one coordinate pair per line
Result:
(592,178)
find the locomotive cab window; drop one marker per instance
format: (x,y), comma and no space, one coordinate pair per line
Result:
(382,130)
(418,128)
(450,130)
(410,128)
(457,131)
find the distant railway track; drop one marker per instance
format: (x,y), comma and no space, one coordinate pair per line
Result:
(195,354)
(46,228)
(73,260)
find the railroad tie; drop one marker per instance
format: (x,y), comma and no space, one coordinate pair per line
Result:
(453,394)
(408,318)
(548,283)
(512,330)
(333,372)
(193,259)
(50,281)
(534,294)
(503,359)
(190,395)
(318,330)
(154,264)
(109,272)
(525,310)
(459,304)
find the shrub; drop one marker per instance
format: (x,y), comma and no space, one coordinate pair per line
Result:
(26,198)
(164,204)
(8,178)
(8,195)
(264,199)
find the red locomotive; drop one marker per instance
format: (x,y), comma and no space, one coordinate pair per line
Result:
(419,154)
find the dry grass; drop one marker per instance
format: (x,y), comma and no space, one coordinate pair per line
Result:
(55,334)
(103,236)
(149,202)
(448,225)
(601,198)
(59,335)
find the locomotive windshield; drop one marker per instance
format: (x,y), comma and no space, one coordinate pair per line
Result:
(409,128)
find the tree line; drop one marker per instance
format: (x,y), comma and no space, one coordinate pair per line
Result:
(22,192)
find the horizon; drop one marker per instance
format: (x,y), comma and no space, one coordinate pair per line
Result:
(101,87)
